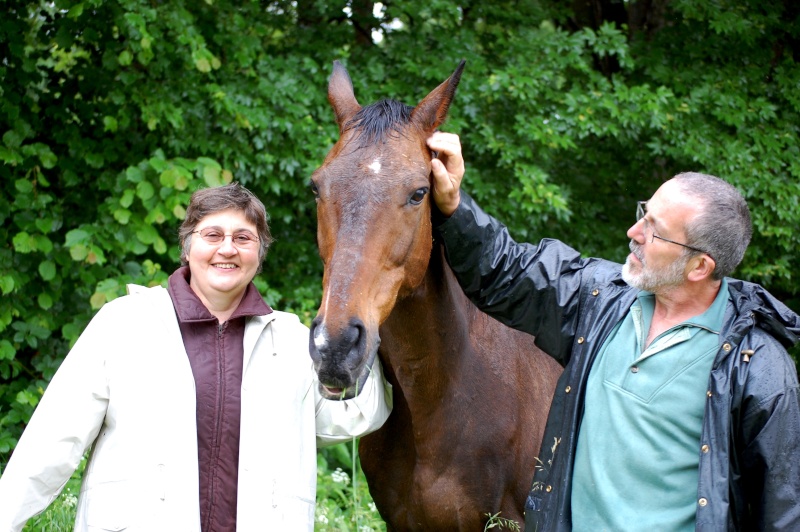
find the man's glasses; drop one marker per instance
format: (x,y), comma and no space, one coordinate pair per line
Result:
(641,210)
(215,235)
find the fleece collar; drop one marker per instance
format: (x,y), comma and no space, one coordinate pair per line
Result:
(189,307)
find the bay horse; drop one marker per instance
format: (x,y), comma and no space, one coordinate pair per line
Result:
(470,395)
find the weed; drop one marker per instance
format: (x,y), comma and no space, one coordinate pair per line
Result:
(500,522)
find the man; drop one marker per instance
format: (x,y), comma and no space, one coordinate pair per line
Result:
(678,405)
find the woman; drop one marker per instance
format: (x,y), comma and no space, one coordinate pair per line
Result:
(199,400)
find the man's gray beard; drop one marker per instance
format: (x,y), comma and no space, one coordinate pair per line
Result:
(655,281)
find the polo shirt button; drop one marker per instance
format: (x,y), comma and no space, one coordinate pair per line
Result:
(634,369)
(595,292)
(704,448)
(703,501)
(548,489)
(580,340)
(567,389)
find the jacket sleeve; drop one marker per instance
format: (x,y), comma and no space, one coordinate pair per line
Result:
(535,289)
(339,421)
(63,426)
(771,439)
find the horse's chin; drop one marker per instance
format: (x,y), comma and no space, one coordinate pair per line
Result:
(341,393)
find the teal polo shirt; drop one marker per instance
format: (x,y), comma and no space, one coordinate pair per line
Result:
(636,465)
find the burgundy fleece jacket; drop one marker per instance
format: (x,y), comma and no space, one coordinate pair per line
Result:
(216,354)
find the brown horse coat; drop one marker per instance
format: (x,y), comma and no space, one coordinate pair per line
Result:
(470,395)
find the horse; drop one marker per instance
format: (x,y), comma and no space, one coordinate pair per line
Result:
(470,394)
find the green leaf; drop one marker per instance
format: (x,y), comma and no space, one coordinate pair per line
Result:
(24,186)
(75,11)
(97,300)
(145,190)
(110,123)
(47,269)
(46,156)
(76,236)
(78,252)
(26,397)
(42,243)
(6,284)
(125,58)
(108,286)
(12,139)
(211,176)
(7,351)
(147,234)
(169,177)
(10,157)
(158,164)
(206,161)
(44,224)
(123,216)
(24,243)
(160,246)
(179,212)
(134,174)
(127,198)
(45,301)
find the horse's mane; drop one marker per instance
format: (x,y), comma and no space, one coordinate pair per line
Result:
(374,122)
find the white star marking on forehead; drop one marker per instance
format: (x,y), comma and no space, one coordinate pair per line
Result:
(375,166)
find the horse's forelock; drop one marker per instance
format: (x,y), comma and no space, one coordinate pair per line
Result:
(374,122)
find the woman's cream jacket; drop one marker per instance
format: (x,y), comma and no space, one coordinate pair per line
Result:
(127,390)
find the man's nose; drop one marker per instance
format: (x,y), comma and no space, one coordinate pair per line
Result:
(637,230)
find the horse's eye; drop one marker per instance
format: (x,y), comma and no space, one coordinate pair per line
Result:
(314,189)
(418,195)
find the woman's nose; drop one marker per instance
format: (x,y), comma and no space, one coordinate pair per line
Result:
(226,246)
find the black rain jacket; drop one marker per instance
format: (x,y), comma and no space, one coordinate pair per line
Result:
(750,449)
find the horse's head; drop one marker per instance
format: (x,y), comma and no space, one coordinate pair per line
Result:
(374,226)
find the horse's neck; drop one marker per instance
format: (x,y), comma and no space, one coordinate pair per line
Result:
(426,337)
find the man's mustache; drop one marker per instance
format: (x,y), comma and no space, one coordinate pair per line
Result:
(636,249)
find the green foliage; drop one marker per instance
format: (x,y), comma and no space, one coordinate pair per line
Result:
(343,499)
(113,112)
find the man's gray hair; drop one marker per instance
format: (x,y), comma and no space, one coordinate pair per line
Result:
(723,228)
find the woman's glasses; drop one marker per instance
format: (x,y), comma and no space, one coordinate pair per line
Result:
(242,239)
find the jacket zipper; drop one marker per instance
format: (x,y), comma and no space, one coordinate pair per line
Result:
(217,422)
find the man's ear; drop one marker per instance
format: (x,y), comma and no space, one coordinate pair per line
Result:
(701,267)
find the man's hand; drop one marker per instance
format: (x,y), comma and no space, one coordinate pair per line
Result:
(448,170)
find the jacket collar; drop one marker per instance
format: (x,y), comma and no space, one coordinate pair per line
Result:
(770,314)
(189,308)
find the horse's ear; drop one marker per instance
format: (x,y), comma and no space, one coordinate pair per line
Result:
(431,112)
(341,95)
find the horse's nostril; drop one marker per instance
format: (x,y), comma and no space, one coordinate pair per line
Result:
(341,352)
(354,332)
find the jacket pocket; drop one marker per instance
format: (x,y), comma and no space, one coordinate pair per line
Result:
(109,506)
